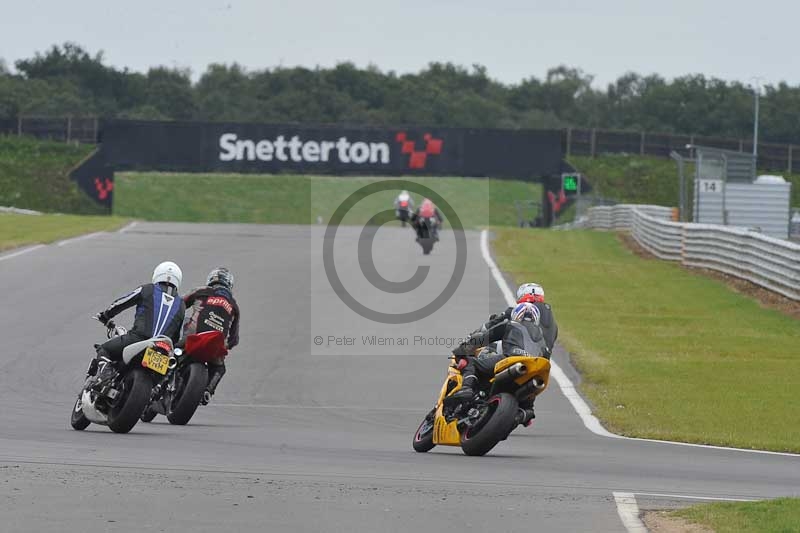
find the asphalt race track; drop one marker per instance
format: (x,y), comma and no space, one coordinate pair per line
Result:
(302,437)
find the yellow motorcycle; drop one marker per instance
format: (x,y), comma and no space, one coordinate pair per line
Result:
(479,424)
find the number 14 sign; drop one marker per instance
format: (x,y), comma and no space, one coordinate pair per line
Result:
(711,186)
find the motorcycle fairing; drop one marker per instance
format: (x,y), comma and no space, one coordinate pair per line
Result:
(206,346)
(537,367)
(443,432)
(132,350)
(89,410)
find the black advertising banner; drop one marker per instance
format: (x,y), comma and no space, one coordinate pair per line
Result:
(95,178)
(258,148)
(8,126)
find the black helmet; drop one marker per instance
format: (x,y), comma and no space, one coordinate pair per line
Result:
(220,276)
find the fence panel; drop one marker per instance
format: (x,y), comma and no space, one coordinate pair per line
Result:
(580,142)
(615,142)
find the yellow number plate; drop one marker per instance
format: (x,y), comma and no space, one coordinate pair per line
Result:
(155,361)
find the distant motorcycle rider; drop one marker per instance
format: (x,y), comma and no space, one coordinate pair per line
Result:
(159,311)
(529,327)
(213,308)
(403,206)
(426,210)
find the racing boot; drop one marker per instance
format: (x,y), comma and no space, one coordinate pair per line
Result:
(215,373)
(468,388)
(105,368)
(92,370)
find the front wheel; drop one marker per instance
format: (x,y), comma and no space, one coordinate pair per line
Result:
(423,438)
(78,420)
(194,379)
(493,425)
(137,386)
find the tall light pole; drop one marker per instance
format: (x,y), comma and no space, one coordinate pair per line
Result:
(757,92)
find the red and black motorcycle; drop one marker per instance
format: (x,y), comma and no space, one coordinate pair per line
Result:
(178,395)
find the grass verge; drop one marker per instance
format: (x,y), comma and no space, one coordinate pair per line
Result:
(34,175)
(21,230)
(664,353)
(292,199)
(771,516)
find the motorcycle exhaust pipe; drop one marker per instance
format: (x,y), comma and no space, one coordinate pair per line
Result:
(173,362)
(514,371)
(532,387)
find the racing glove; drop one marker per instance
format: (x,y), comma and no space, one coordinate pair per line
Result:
(102,318)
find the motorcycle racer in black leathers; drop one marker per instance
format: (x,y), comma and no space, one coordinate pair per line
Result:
(537,337)
(159,311)
(425,211)
(213,308)
(533,293)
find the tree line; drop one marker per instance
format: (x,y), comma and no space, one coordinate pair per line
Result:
(68,80)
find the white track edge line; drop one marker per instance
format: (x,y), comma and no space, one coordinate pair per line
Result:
(20,252)
(80,238)
(568,388)
(128,227)
(687,497)
(628,511)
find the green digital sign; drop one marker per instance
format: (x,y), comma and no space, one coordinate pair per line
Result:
(570,183)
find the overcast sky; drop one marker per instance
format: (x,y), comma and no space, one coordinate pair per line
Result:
(729,39)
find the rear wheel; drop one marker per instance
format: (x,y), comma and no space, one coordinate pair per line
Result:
(423,438)
(78,420)
(194,379)
(493,425)
(136,386)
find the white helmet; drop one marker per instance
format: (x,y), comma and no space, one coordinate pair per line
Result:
(168,272)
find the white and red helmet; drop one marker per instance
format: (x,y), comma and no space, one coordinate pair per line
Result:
(530,292)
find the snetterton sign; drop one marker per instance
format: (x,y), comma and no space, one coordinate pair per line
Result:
(297,150)
(275,148)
